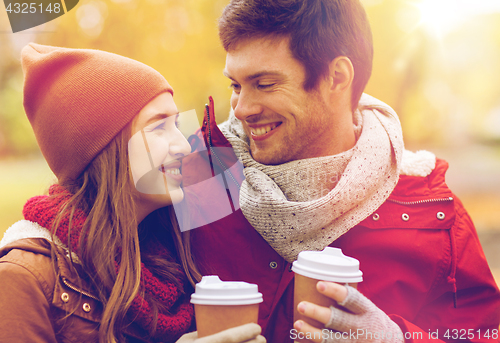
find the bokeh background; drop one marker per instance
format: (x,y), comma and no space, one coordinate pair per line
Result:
(437,62)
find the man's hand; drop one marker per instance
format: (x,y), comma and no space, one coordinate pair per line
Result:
(248,333)
(365,322)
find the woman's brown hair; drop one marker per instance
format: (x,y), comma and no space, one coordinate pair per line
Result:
(104,192)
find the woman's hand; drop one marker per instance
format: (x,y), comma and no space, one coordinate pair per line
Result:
(364,323)
(248,333)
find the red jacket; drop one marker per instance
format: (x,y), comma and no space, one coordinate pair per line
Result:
(428,273)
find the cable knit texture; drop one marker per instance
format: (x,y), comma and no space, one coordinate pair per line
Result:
(170,326)
(307,204)
(366,323)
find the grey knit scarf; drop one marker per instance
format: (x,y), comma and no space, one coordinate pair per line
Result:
(307,204)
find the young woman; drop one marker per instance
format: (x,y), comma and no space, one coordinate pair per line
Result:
(86,264)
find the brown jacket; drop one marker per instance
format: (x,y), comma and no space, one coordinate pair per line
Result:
(37,306)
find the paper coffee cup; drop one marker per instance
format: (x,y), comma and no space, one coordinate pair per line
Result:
(327,265)
(220,305)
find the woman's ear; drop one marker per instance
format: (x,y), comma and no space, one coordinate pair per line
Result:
(341,74)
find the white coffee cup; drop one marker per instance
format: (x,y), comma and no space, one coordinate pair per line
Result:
(220,305)
(330,264)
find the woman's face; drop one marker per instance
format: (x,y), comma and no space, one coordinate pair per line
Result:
(155,151)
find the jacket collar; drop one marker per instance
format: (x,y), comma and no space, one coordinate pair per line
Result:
(211,132)
(69,288)
(71,293)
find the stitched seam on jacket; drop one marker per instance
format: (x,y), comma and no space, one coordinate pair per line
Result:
(43,284)
(445,262)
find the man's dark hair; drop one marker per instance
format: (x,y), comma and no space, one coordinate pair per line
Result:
(319,31)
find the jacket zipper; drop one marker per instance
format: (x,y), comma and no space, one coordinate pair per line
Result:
(420,201)
(212,150)
(66,282)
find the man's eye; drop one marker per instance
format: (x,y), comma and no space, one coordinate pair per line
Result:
(265,85)
(235,86)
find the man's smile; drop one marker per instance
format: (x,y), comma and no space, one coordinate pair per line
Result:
(262,131)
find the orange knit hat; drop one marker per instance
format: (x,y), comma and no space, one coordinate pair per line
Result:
(78,100)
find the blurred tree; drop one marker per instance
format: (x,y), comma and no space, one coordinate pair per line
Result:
(15,134)
(444,87)
(16,137)
(437,67)
(178,38)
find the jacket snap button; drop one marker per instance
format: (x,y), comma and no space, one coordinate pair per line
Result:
(376,216)
(440,215)
(65,297)
(405,217)
(86,307)
(273,265)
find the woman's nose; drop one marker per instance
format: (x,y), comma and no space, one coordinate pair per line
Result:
(180,146)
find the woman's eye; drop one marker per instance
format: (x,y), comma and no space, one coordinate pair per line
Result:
(160,127)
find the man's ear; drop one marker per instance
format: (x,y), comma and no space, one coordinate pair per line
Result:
(341,74)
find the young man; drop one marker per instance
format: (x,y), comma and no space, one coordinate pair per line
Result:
(325,165)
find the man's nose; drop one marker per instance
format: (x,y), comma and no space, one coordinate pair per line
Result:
(245,104)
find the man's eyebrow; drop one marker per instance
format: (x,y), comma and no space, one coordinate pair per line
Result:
(226,74)
(256,75)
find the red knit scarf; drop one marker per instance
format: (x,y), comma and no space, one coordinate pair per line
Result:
(170,326)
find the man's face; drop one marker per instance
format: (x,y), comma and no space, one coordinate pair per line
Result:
(281,119)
